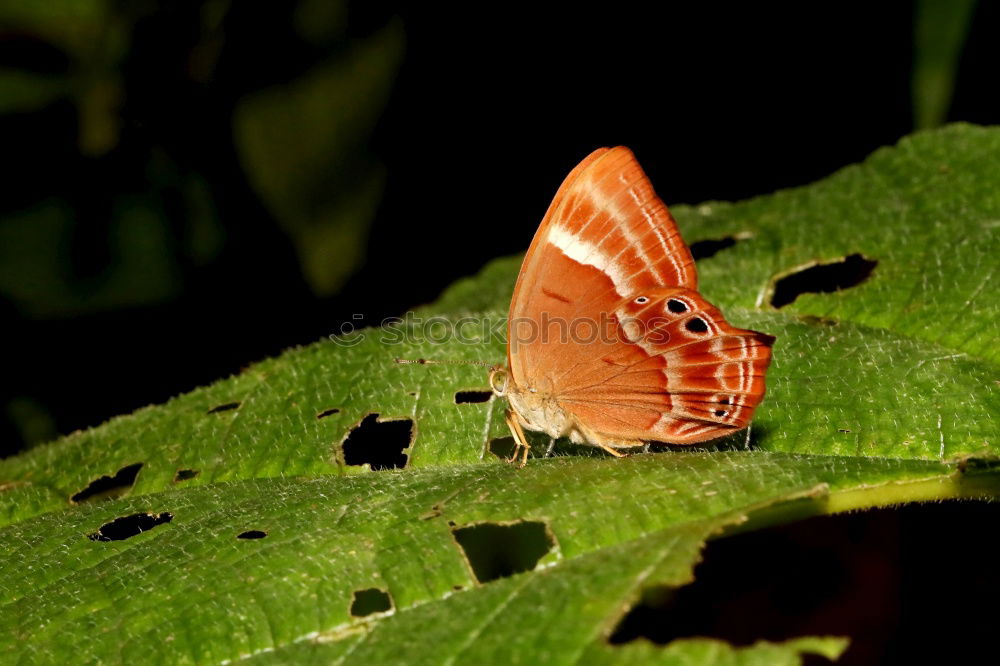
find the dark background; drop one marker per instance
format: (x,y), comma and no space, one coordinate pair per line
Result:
(484,113)
(151,241)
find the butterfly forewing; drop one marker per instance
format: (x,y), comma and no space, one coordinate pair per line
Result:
(606,319)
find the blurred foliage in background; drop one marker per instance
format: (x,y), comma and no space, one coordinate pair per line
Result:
(191,185)
(154,154)
(303,145)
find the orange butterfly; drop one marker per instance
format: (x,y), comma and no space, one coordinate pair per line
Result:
(609,341)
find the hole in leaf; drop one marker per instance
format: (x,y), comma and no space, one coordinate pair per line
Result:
(823,278)
(223,408)
(122,528)
(710,247)
(369,601)
(328,412)
(108,487)
(497,551)
(502,447)
(378,444)
(251,534)
(185,475)
(468,397)
(643,619)
(862,575)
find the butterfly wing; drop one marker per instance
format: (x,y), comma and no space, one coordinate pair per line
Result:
(677,372)
(608,258)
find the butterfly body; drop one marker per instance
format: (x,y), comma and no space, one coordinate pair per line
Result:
(539,409)
(609,341)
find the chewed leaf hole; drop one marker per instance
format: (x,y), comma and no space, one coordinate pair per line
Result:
(838,576)
(224,408)
(251,534)
(710,247)
(328,412)
(185,475)
(643,620)
(496,551)
(502,447)
(378,444)
(370,601)
(822,279)
(122,528)
(108,487)
(468,397)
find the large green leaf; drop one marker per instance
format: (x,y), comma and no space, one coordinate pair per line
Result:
(880,393)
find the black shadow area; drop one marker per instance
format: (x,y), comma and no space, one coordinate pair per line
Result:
(850,271)
(883,578)
(378,444)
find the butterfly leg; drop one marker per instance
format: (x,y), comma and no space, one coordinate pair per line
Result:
(552,445)
(520,441)
(608,444)
(612,446)
(611,450)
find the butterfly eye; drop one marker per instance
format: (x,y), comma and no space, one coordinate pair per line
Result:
(676,306)
(696,325)
(498,381)
(642,300)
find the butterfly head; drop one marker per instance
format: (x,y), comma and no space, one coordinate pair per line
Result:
(535,408)
(499,378)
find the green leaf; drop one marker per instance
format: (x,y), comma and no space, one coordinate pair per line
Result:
(191,588)
(880,393)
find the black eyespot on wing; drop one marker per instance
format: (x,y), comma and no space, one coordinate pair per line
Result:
(696,325)
(676,306)
(724,401)
(720,412)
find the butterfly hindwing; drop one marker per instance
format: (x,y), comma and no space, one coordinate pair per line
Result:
(607,327)
(679,355)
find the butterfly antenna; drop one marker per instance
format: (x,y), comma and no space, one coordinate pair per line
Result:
(428,361)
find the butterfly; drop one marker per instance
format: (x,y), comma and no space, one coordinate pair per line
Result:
(609,342)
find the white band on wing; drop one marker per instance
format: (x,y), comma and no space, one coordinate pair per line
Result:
(583,252)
